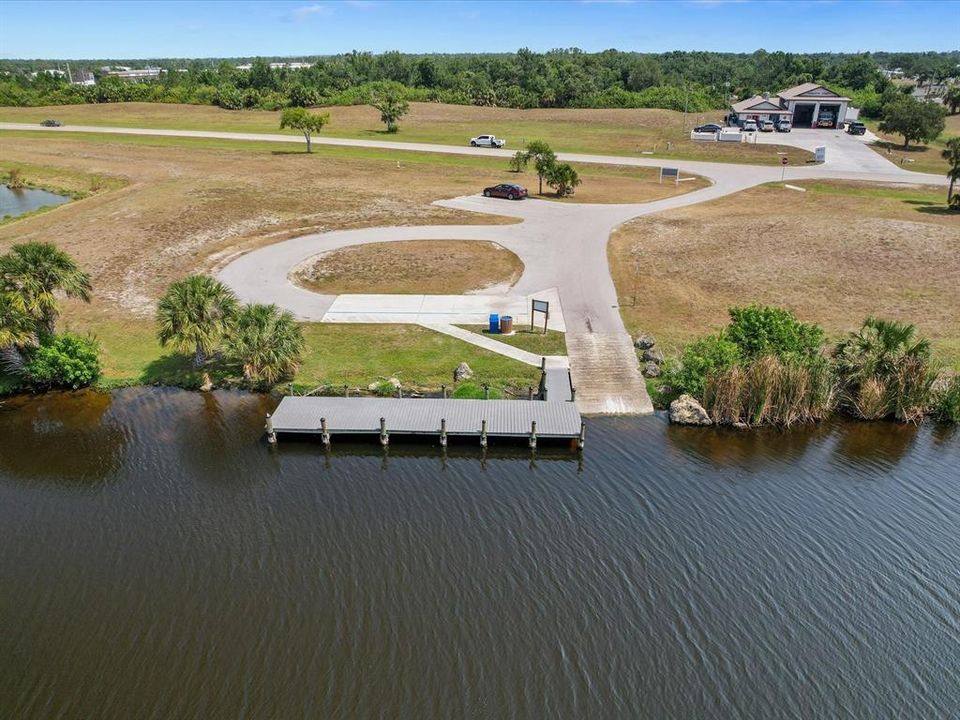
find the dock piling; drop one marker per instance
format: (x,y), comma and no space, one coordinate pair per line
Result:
(271,435)
(443,432)
(384,438)
(486,391)
(529,392)
(346,391)
(483,433)
(443,389)
(324,435)
(533,434)
(583,434)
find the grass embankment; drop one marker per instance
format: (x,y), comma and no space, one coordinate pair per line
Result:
(436,267)
(919,158)
(666,133)
(69,183)
(834,255)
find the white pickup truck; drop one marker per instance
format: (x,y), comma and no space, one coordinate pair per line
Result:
(487,141)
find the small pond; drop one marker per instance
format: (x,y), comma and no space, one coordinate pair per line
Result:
(17,201)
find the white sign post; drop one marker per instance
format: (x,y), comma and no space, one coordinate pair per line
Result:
(821,153)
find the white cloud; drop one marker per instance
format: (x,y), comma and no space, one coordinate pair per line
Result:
(306,11)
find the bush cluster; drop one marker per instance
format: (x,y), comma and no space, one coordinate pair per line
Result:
(768,367)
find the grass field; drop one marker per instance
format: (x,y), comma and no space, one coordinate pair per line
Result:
(438,267)
(919,158)
(615,132)
(173,208)
(835,254)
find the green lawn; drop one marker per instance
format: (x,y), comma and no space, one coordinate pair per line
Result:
(917,157)
(355,355)
(553,343)
(664,133)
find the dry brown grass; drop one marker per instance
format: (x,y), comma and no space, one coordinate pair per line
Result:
(610,131)
(439,267)
(834,255)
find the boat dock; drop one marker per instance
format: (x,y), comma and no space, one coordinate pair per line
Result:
(329,417)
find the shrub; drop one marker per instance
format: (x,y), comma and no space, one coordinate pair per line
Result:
(16,178)
(946,403)
(474,391)
(65,361)
(762,330)
(711,354)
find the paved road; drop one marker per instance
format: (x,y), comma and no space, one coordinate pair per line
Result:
(847,160)
(562,246)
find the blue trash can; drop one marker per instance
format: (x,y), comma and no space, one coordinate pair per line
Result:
(494,324)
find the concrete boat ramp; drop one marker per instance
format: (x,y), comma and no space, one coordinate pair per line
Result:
(326,418)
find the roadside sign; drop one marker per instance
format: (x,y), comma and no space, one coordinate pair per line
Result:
(784,161)
(821,153)
(541,306)
(670,172)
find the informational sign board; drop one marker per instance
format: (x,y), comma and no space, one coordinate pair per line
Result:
(670,173)
(821,153)
(540,306)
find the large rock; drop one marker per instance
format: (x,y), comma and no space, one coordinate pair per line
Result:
(462,372)
(652,355)
(687,411)
(644,342)
(651,370)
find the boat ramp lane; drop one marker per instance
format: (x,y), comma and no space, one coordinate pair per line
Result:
(329,417)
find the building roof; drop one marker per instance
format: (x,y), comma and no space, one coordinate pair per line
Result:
(811,91)
(759,104)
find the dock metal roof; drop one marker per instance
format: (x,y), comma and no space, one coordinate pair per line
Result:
(505,418)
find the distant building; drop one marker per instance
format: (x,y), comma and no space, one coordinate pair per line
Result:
(805,106)
(895,74)
(279,66)
(139,75)
(83,77)
(51,71)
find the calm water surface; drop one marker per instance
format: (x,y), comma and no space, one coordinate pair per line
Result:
(158,560)
(17,201)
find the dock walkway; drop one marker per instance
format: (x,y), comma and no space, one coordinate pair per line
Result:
(331,416)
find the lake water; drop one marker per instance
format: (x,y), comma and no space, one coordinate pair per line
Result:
(159,560)
(23,200)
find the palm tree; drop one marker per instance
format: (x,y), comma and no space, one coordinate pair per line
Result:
(34,273)
(951,153)
(194,316)
(872,363)
(267,342)
(16,331)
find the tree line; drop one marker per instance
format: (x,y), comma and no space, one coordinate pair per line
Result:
(683,81)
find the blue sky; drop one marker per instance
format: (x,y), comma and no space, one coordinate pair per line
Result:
(173,28)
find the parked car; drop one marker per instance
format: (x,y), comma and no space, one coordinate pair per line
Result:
(487,141)
(784,126)
(856,128)
(826,119)
(708,128)
(52,123)
(509,191)
(749,126)
(766,126)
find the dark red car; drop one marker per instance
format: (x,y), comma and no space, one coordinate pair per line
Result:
(506,190)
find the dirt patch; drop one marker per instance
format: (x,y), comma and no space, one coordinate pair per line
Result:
(835,254)
(437,267)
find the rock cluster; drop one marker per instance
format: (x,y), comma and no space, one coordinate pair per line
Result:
(649,354)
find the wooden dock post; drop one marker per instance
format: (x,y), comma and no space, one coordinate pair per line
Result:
(399,393)
(324,435)
(443,389)
(533,434)
(483,433)
(486,391)
(583,434)
(529,392)
(443,432)
(573,394)
(346,391)
(384,438)
(271,435)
